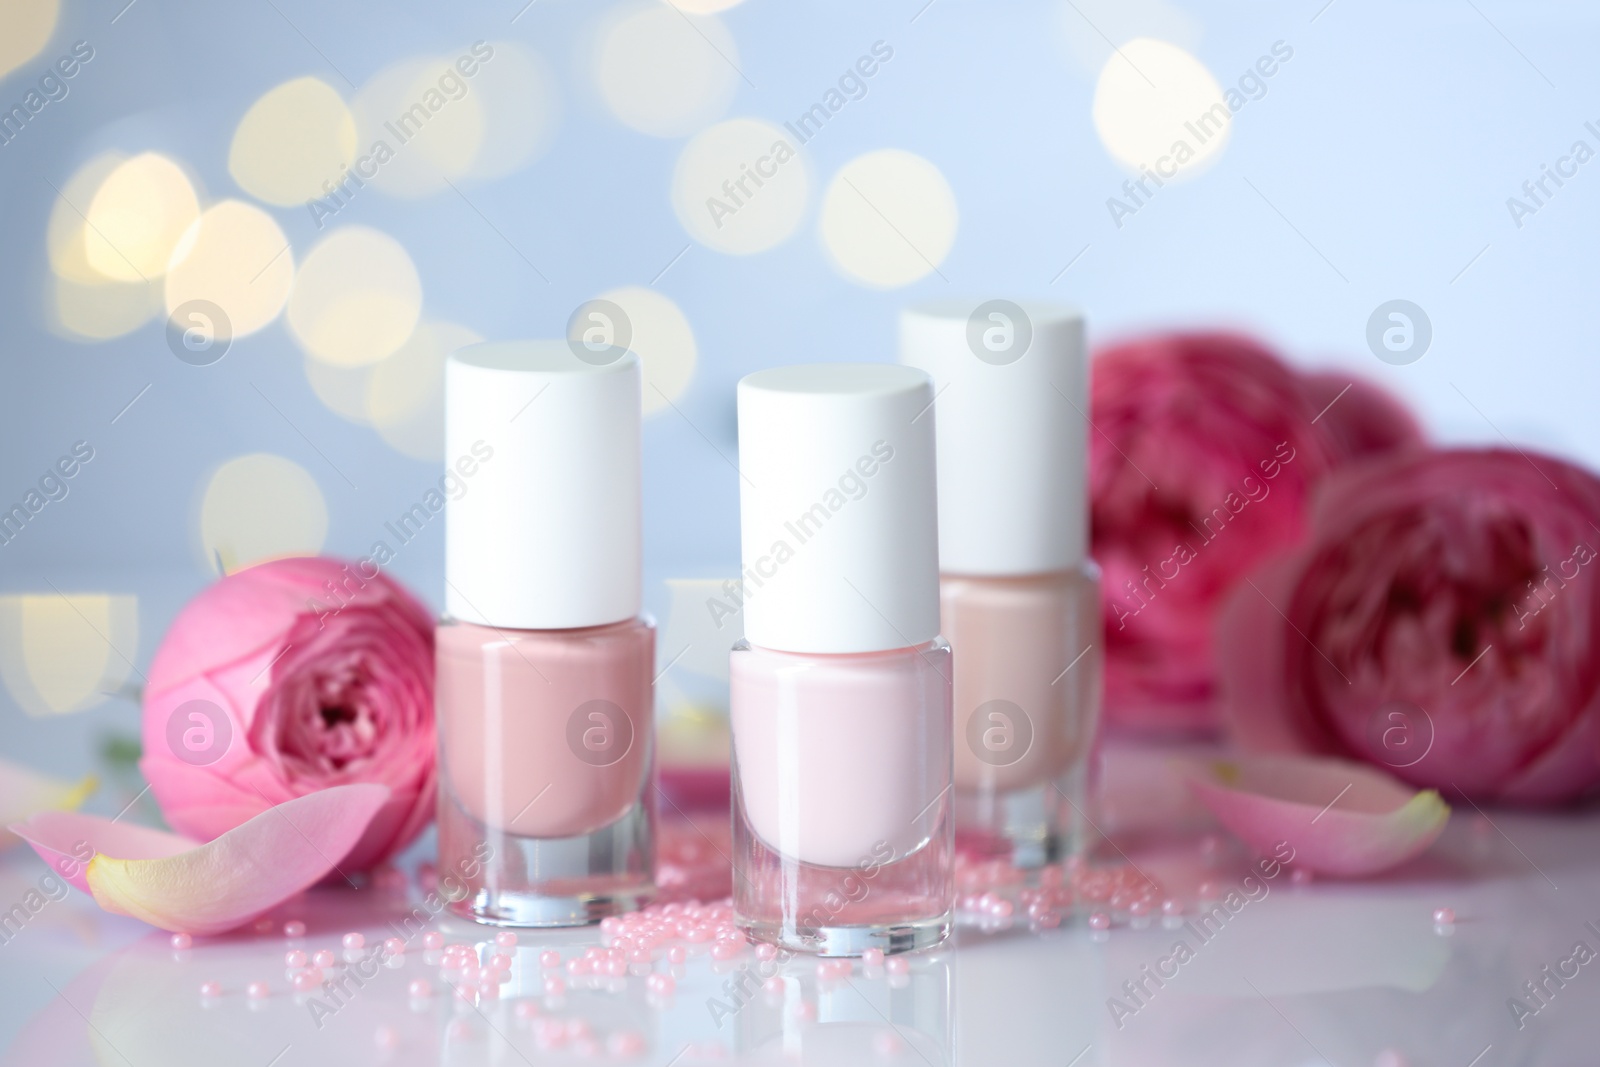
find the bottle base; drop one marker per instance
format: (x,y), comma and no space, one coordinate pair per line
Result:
(1028,828)
(533,910)
(834,941)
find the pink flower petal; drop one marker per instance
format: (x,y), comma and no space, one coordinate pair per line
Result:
(25,792)
(1340,818)
(68,840)
(175,884)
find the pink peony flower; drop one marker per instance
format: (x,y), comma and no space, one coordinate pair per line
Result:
(1440,621)
(287,678)
(1361,419)
(1202,457)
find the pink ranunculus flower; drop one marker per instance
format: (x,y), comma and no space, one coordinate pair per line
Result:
(1440,621)
(286,678)
(1204,451)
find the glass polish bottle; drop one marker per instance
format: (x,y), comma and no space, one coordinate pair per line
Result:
(545,699)
(840,691)
(1019,595)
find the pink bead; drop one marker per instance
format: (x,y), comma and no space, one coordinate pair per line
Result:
(294,958)
(766,952)
(897,965)
(257,990)
(385,1037)
(181,941)
(641,955)
(725,950)
(1171,907)
(615,968)
(1139,907)
(433,939)
(625,1044)
(1001,909)
(294,928)
(354,940)
(1444,916)
(500,962)
(420,988)
(505,938)
(1300,876)
(578,1028)
(550,1033)
(663,984)
(888,1043)
(210,989)
(554,986)
(773,985)
(323,957)
(458,1030)
(307,979)
(677,954)
(872,957)
(1208,891)
(526,1010)
(803,1010)
(1099,921)
(393,946)
(549,958)
(579,966)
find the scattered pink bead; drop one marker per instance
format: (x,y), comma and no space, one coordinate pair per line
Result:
(578,1028)
(1099,921)
(1208,891)
(294,958)
(505,938)
(1444,916)
(773,985)
(307,979)
(579,966)
(323,957)
(394,946)
(386,1038)
(803,1010)
(641,955)
(554,986)
(257,991)
(872,957)
(897,965)
(888,1043)
(458,1030)
(354,940)
(420,988)
(766,952)
(549,958)
(550,1034)
(677,954)
(725,950)
(625,1044)
(1171,907)
(664,984)
(294,928)
(433,939)
(526,1010)
(1300,876)
(181,941)
(210,989)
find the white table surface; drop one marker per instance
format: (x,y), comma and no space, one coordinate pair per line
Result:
(1347,974)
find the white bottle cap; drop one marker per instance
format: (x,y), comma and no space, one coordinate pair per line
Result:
(1013,388)
(545,532)
(837,510)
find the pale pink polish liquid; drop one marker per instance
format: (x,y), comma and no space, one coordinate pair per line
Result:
(546,746)
(842,813)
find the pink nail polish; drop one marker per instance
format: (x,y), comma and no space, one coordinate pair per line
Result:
(840,693)
(545,664)
(1019,598)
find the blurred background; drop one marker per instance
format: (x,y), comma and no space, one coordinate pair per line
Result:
(240,239)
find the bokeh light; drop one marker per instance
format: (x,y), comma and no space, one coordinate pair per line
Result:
(87,311)
(1090,28)
(357,298)
(25,28)
(888,218)
(259,507)
(705,7)
(342,390)
(61,653)
(294,139)
(137,218)
(237,258)
(405,393)
(421,124)
(1151,98)
(740,186)
(663,340)
(663,75)
(517,93)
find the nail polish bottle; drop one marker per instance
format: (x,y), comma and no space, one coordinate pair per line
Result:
(840,692)
(1019,595)
(544,686)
